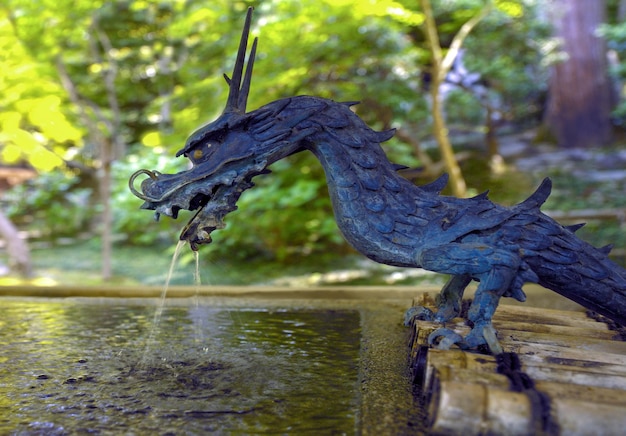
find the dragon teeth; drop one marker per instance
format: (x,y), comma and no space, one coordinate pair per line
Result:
(164,210)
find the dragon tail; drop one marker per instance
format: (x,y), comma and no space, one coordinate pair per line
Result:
(568,265)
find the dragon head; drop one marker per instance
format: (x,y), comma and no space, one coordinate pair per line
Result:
(224,156)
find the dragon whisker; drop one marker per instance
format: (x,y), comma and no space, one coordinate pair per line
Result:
(131,183)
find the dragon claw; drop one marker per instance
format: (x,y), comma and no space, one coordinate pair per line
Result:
(418,313)
(489,338)
(445,314)
(444,338)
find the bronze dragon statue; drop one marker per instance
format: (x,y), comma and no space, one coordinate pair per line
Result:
(381,214)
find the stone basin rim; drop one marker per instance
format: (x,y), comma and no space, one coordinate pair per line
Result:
(186,291)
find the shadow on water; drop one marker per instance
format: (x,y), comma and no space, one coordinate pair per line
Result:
(77,366)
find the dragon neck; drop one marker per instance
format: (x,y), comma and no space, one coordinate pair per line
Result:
(367,194)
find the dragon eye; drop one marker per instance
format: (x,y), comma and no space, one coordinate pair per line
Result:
(200,153)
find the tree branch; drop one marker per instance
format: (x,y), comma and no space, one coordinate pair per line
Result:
(109,74)
(459,38)
(81,102)
(432,37)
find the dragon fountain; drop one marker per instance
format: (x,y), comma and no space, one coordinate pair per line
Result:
(380,213)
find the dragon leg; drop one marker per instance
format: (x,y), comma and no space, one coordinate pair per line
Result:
(450,298)
(493,267)
(448,302)
(491,288)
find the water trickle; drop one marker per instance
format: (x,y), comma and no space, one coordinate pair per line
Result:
(199,321)
(159,309)
(196,277)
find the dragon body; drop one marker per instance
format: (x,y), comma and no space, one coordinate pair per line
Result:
(380,213)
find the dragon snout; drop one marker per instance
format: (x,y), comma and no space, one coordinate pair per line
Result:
(211,188)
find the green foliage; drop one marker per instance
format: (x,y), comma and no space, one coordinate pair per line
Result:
(286,215)
(51,206)
(34,125)
(463,109)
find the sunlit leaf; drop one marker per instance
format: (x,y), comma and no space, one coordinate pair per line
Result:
(24,140)
(44,160)
(11,153)
(10,121)
(511,8)
(405,16)
(151,139)
(95,68)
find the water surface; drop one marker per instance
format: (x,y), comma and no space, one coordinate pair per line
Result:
(78,367)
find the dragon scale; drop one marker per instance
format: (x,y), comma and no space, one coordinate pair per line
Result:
(380,213)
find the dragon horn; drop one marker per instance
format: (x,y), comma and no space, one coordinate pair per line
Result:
(238,95)
(245,88)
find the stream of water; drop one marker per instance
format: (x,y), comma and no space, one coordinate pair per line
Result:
(159,309)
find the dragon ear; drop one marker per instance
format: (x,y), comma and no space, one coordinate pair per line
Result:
(238,93)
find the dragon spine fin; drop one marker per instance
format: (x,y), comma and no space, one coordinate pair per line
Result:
(538,197)
(575,227)
(436,186)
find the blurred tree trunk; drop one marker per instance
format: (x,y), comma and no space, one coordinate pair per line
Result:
(19,254)
(621,10)
(440,68)
(580,99)
(106,157)
(104,125)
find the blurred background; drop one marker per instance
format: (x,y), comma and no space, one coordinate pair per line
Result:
(508,92)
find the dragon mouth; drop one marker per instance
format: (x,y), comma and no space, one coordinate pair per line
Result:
(213,197)
(210,215)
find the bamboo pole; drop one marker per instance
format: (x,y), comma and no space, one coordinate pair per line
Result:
(574,367)
(440,363)
(475,408)
(531,342)
(511,313)
(458,406)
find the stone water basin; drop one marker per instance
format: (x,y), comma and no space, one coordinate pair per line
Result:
(223,361)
